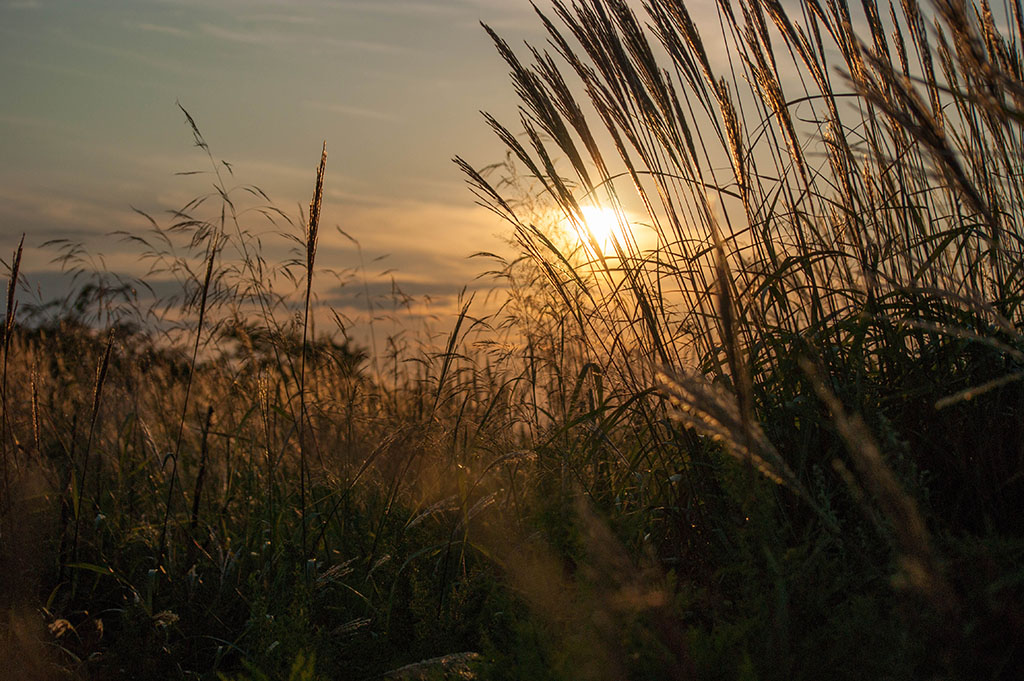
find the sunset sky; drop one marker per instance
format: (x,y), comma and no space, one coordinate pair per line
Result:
(89,127)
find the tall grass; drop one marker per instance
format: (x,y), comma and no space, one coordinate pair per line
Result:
(9,318)
(770,430)
(312,230)
(833,195)
(826,203)
(216,478)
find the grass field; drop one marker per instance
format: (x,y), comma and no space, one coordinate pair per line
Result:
(751,407)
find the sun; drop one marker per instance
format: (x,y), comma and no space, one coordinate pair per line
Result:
(600,225)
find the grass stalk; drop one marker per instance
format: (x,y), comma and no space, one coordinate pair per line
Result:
(8,330)
(83,475)
(213,246)
(312,232)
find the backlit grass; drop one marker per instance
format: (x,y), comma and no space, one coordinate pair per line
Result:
(765,421)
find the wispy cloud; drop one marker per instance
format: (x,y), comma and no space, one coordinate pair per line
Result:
(159,28)
(246,36)
(402,7)
(38,123)
(289,32)
(48,215)
(352,111)
(367,46)
(420,235)
(162,64)
(375,294)
(277,18)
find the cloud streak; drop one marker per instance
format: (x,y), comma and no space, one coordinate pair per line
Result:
(351,111)
(159,28)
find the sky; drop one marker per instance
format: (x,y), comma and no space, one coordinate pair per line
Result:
(90,129)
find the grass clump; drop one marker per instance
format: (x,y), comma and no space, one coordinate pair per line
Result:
(766,426)
(817,225)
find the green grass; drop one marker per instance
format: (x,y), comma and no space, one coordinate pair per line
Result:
(774,432)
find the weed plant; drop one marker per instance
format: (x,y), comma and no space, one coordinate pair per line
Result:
(771,428)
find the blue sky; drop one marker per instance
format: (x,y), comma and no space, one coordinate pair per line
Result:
(89,127)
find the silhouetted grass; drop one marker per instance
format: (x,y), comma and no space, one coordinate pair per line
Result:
(772,430)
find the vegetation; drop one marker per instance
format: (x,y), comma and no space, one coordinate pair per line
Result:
(770,427)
